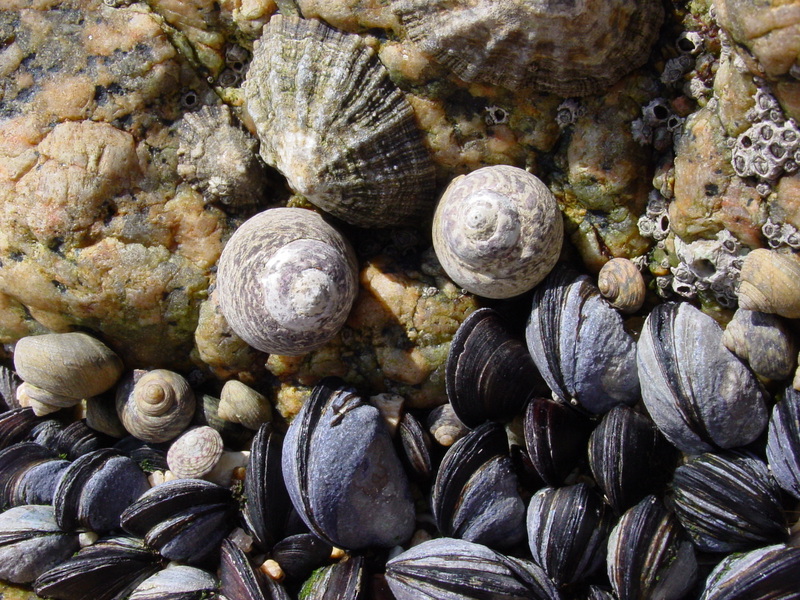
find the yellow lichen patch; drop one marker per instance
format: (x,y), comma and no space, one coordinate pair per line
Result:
(196,229)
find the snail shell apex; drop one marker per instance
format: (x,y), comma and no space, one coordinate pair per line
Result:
(497,231)
(621,283)
(286,281)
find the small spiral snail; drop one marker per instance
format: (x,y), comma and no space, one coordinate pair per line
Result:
(770,283)
(155,406)
(286,281)
(497,231)
(621,283)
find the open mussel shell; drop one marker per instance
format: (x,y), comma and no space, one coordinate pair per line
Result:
(697,392)
(96,488)
(15,425)
(183,519)
(343,474)
(555,438)
(475,494)
(107,570)
(177,582)
(783,442)
(770,572)
(579,344)
(728,502)
(344,580)
(239,581)
(298,555)
(32,542)
(567,531)
(489,373)
(451,569)
(267,502)
(629,457)
(649,555)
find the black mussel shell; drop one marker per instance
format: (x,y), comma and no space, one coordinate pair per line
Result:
(567,531)
(9,382)
(267,503)
(416,444)
(96,488)
(629,457)
(555,437)
(15,425)
(15,461)
(728,502)
(579,344)
(649,554)
(343,474)
(31,542)
(177,582)
(489,373)
(783,442)
(451,569)
(344,580)
(475,495)
(184,519)
(70,441)
(149,457)
(698,393)
(772,572)
(299,554)
(239,581)
(107,570)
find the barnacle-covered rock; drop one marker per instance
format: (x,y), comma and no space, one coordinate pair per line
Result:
(516,44)
(287,281)
(497,231)
(330,119)
(579,344)
(219,158)
(697,392)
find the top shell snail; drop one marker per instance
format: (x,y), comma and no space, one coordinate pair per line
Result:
(497,231)
(286,281)
(568,47)
(331,120)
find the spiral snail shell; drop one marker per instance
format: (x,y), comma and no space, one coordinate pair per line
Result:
(497,231)
(770,283)
(621,283)
(155,406)
(286,281)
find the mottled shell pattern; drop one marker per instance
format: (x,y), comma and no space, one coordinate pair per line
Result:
(286,281)
(567,47)
(330,119)
(497,231)
(218,157)
(621,283)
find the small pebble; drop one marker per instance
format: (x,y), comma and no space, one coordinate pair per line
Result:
(87,538)
(272,569)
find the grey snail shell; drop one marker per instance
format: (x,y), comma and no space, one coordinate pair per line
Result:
(286,281)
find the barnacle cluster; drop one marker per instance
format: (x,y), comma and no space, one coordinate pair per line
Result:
(771,146)
(781,234)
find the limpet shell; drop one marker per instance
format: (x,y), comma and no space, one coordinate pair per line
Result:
(195,453)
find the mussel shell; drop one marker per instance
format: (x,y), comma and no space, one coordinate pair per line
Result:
(177,582)
(267,502)
(697,392)
(37,484)
(567,531)
(489,373)
(149,457)
(629,457)
(345,580)
(184,519)
(9,381)
(31,542)
(299,554)
(728,502)
(15,425)
(579,344)
(15,461)
(555,437)
(343,474)
(451,569)
(416,444)
(239,581)
(649,555)
(770,572)
(107,570)
(96,488)
(475,494)
(783,441)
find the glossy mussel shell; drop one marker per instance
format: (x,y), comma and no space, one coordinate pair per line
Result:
(770,572)
(489,373)
(783,441)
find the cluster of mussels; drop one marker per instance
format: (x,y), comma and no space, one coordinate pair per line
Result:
(578,462)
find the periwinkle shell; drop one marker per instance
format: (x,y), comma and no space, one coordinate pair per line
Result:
(697,392)
(286,281)
(580,345)
(332,121)
(343,474)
